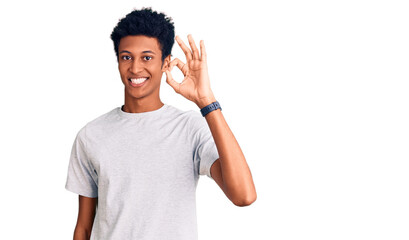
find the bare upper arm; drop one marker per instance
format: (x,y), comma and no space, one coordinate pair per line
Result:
(86,212)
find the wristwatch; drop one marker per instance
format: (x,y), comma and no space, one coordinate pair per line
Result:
(211,107)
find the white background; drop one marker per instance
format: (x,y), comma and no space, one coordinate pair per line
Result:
(315,92)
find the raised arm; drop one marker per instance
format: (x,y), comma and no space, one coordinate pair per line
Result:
(231,171)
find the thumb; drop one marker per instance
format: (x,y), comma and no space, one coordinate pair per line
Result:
(169,79)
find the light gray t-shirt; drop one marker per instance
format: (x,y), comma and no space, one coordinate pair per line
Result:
(144,169)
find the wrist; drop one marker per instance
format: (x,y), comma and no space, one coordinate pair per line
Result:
(203,102)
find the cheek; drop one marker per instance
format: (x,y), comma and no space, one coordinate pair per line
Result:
(122,70)
(154,70)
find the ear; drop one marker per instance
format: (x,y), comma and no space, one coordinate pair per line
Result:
(166,61)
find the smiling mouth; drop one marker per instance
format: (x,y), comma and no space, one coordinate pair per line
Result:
(136,82)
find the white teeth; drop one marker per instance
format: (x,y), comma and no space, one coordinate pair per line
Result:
(138,80)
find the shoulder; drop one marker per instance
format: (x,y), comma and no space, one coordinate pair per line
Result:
(189,115)
(197,123)
(192,119)
(102,119)
(99,122)
(196,119)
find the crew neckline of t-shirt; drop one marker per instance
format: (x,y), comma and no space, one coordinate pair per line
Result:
(142,114)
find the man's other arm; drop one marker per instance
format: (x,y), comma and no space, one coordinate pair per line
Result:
(86,214)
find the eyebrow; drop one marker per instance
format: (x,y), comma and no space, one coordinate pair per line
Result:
(147,51)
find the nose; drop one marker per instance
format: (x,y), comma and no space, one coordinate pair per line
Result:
(135,67)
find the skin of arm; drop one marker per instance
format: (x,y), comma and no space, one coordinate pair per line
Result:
(86,215)
(230,171)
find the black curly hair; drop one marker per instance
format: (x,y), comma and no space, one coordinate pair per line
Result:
(149,23)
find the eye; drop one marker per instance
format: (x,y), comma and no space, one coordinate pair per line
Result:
(125,56)
(148,57)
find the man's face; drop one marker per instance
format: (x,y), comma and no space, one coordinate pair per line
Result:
(139,57)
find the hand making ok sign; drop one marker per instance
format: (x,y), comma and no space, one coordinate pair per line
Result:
(195,85)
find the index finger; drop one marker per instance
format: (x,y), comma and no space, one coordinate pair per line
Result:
(183,67)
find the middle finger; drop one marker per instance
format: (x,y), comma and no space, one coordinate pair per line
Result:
(193,46)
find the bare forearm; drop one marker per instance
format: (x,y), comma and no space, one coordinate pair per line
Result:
(81,234)
(86,215)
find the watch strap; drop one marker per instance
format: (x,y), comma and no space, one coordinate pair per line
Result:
(211,107)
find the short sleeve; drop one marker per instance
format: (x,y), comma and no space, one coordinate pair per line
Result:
(81,177)
(204,148)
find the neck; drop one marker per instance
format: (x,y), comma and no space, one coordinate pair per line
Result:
(141,105)
(138,107)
